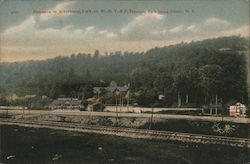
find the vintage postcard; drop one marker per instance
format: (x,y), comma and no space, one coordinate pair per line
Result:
(124,81)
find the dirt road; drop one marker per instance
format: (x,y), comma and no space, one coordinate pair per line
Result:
(28,113)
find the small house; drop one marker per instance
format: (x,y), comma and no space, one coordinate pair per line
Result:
(237,110)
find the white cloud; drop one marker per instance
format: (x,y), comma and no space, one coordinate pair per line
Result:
(90,28)
(88,33)
(216,24)
(144,26)
(25,27)
(26,33)
(176,29)
(192,28)
(243,31)
(159,32)
(61,6)
(103,32)
(111,35)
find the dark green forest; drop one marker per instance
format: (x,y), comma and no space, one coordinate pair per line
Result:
(196,71)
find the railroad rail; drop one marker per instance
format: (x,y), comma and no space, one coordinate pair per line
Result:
(134,133)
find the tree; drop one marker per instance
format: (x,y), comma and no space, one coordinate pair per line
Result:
(163,83)
(98,106)
(143,76)
(113,83)
(96,54)
(146,97)
(88,91)
(211,80)
(168,70)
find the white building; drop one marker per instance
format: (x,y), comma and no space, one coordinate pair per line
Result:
(237,110)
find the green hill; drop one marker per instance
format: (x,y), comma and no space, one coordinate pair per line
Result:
(197,70)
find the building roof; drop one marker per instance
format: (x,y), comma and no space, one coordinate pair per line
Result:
(97,89)
(29,96)
(123,89)
(67,101)
(111,89)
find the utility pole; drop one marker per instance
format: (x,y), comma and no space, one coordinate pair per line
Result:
(211,106)
(7,112)
(187,99)
(222,111)
(29,105)
(248,75)
(128,101)
(24,104)
(120,103)
(216,104)
(116,108)
(179,99)
(23,112)
(151,118)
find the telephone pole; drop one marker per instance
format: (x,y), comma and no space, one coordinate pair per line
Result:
(151,118)
(248,75)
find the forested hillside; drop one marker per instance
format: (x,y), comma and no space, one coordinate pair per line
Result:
(197,71)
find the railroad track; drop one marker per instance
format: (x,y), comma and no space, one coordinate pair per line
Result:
(135,133)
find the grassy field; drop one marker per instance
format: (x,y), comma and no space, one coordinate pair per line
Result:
(21,145)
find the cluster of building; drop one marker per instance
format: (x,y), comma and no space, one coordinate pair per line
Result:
(74,103)
(122,92)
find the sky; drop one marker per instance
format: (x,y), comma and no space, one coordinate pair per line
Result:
(41,29)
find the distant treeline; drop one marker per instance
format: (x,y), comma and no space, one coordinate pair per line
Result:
(196,71)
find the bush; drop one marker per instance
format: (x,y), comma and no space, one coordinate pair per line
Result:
(85,105)
(248,113)
(98,107)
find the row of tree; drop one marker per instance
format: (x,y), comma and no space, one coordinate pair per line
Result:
(195,72)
